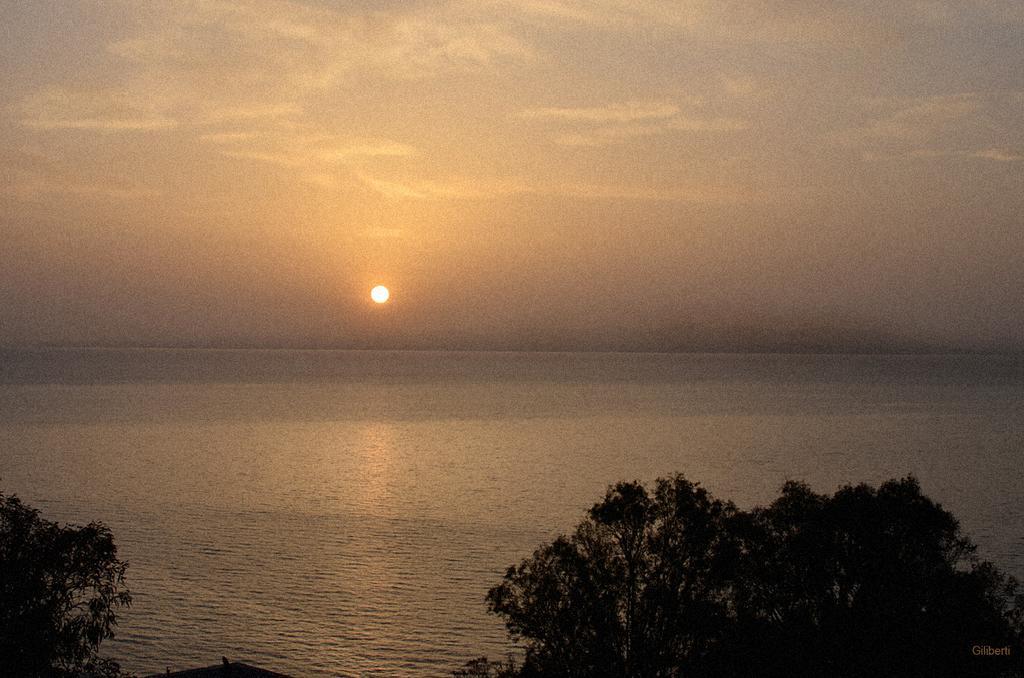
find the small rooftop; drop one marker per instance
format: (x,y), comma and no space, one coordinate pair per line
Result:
(225,669)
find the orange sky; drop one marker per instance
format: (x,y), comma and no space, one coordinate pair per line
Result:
(535,174)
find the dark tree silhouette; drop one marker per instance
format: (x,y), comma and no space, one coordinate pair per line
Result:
(484,668)
(676,583)
(867,582)
(60,588)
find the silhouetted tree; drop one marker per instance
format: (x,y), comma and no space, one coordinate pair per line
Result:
(60,587)
(866,582)
(676,583)
(640,588)
(484,668)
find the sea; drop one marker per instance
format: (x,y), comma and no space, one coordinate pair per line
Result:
(344,513)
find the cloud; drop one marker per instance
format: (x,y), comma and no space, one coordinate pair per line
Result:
(33,186)
(614,14)
(491,188)
(911,154)
(368,149)
(284,159)
(229,137)
(998,154)
(778,22)
(312,46)
(101,124)
(247,112)
(306,151)
(693,194)
(950,12)
(994,154)
(738,85)
(60,108)
(934,126)
(424,46)
(321,180)
(219,63)
(453,188)
(615,123)
(604,136)
(626,112)
(901,118)
(718,124)
(395,189)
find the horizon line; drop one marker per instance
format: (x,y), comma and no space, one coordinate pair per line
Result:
(895,351)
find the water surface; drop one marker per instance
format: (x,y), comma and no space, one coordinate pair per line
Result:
(344,513)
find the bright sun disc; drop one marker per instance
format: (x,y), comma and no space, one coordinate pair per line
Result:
(380,294)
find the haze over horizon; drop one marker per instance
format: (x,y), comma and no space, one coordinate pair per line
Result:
(539,174)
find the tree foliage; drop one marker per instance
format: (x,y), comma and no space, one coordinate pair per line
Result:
(482,667)
(60,589)
(677,583)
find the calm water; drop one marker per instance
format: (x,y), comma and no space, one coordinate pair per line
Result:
(344,513)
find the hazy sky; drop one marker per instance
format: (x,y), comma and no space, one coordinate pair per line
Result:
(533,173)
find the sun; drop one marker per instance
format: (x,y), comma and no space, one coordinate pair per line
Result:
(380,294)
